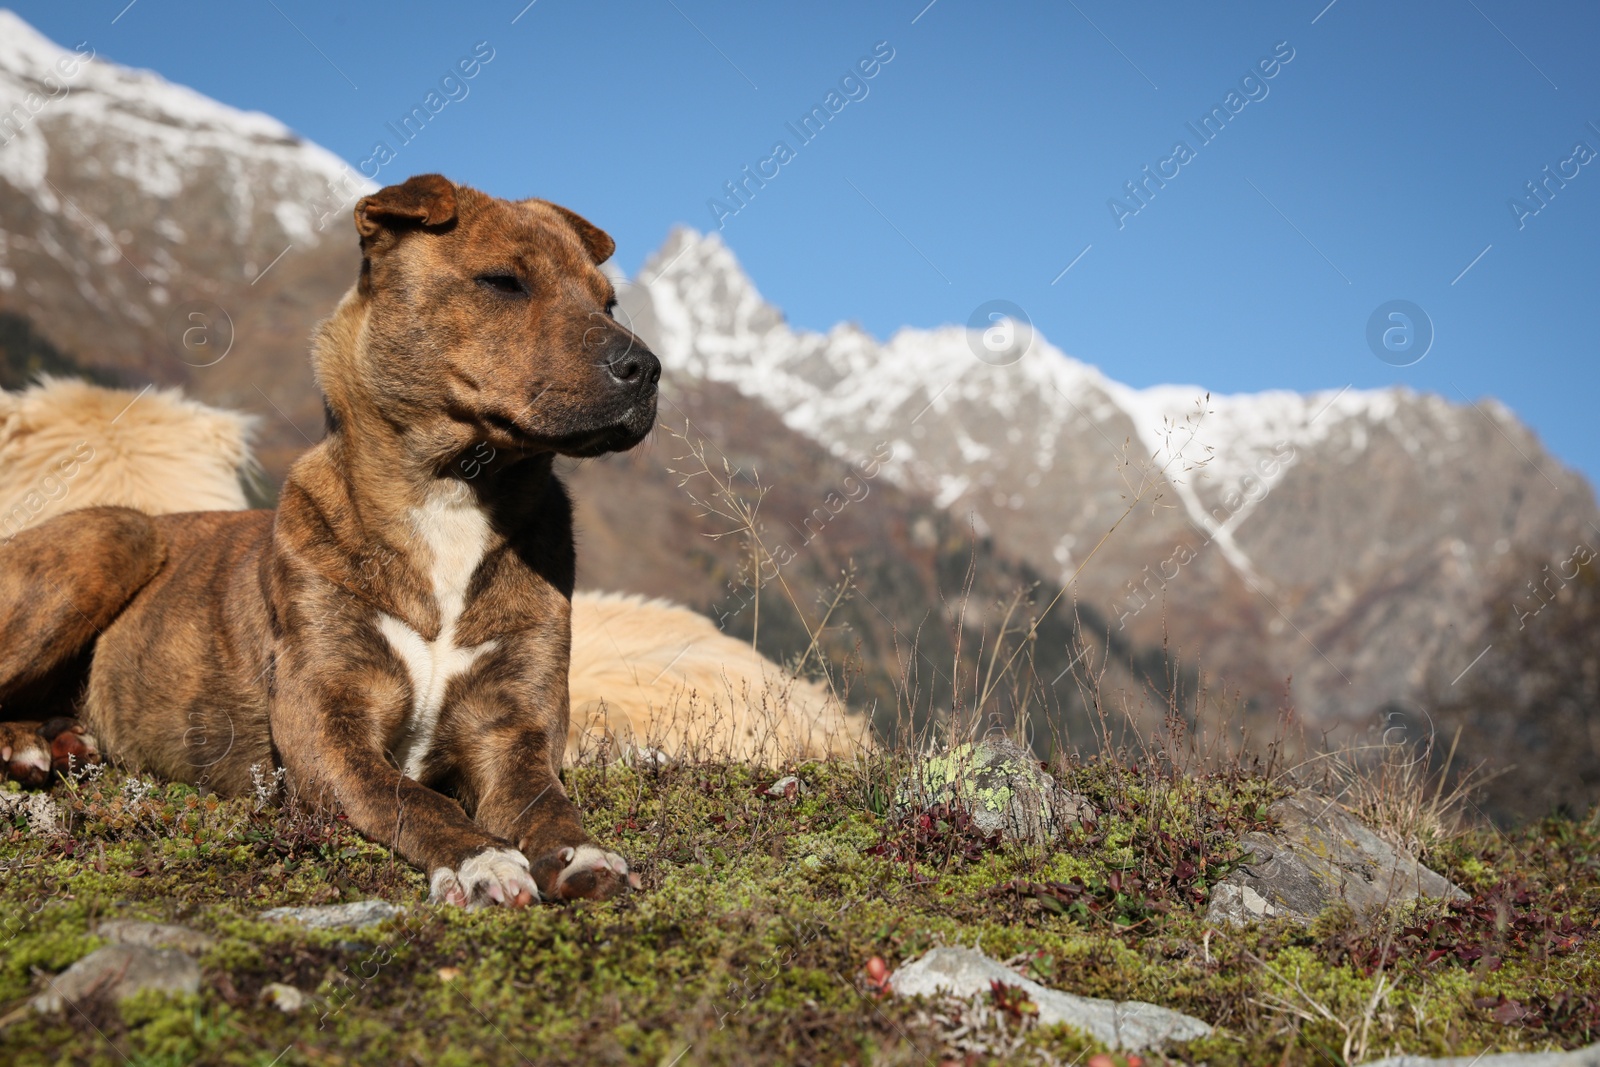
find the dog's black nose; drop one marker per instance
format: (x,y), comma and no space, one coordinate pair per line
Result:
(638,367)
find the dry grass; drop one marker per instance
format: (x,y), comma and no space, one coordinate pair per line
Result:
(1409,794)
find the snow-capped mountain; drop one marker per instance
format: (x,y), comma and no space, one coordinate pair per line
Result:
(1343,537)
(165,141)
(133,205)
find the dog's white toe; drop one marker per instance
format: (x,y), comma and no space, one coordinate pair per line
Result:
(493,876)
(589,860)
(28,762)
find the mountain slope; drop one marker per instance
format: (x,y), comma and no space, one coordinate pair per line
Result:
(1346,538)
(904,598)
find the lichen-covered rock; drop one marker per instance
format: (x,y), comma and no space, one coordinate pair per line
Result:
(155,935)
(1001,785)
(1319,855)
(43,814)
(1130,1024)
(350,916)
(116,973)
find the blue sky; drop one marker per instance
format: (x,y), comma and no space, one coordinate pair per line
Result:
(1376,164)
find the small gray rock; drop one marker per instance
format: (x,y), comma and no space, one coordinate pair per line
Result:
(116,973)
(352,916)
(155,935)
(787,787)
(286,998)
(644,756)
(1003,787)
(1131,1024)
(1583,1057)
(1320,854)
(1238,905)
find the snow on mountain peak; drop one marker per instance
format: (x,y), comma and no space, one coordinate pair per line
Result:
(967,430)
(714,322)
(149,132)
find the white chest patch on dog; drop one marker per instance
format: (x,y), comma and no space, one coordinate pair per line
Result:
(456,533)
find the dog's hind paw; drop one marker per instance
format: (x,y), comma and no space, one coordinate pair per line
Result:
(583,872)
(71,746)
(24,754)
(493,876)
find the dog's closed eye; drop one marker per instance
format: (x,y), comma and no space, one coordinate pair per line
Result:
(503,282)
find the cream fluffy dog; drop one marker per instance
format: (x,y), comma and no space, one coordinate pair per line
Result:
(650,674)
(65,444)
(646,675)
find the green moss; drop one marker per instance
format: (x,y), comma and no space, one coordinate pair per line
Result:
(759,916)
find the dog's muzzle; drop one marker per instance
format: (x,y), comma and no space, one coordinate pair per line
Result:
(626,409)
(640,419)
(635,373)
(634,367)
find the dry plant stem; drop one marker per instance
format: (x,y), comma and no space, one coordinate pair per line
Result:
(755,578)
(1388,785)
(989,673)
(958,644)
(1444,772)
(994,654)
(838,598)
(744,514)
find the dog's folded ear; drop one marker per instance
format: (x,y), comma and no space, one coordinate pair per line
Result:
(425,200)
(596,242)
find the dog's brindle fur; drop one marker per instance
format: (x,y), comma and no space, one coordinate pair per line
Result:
(395,635)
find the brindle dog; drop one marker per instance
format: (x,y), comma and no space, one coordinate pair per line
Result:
(395,635)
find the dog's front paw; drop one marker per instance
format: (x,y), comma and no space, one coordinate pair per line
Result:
(493,876)
(583,872)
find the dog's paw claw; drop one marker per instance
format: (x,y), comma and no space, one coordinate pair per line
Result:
(494,876)
(584,872)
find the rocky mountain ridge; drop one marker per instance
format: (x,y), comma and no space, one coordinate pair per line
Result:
(1344,537)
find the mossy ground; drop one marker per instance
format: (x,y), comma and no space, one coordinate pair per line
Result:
(750,941)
